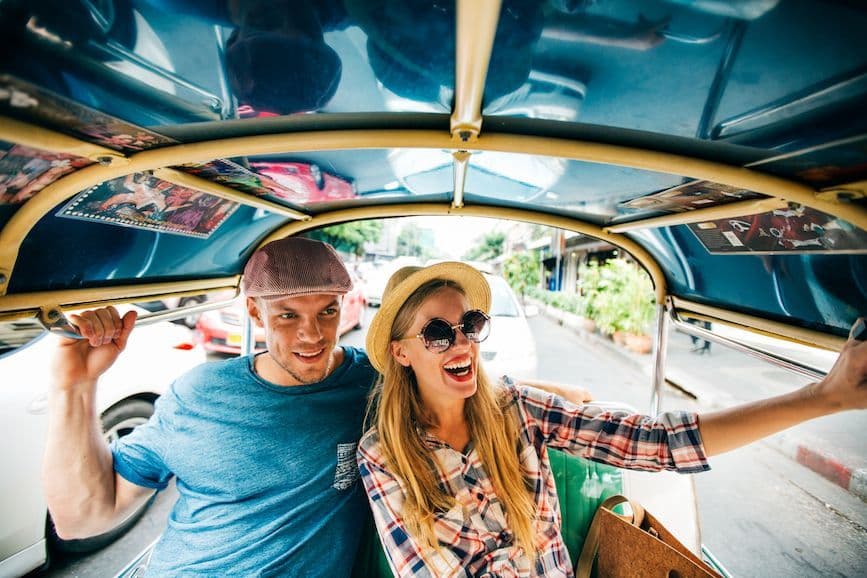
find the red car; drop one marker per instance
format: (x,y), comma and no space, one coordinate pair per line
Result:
(219,331)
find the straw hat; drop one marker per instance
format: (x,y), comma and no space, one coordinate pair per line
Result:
(403,283)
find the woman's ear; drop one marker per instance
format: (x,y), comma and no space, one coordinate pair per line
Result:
(398,351)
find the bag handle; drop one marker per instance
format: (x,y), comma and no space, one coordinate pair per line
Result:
(591,542)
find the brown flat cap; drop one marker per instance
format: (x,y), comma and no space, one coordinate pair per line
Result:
(295,266)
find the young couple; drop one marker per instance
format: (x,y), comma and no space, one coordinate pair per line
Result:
(454,466)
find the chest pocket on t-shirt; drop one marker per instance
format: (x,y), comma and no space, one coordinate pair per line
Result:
(346,472)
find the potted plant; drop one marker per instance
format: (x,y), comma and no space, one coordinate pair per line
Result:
(623,304)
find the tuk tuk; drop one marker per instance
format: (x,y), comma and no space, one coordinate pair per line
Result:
(147,148)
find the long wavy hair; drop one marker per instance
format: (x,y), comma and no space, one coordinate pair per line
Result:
(397,411)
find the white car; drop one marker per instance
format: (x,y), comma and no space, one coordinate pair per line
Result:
(510,349)
(155,355)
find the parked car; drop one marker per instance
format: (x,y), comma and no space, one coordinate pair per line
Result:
(155,355)
(220,330)
(510,349)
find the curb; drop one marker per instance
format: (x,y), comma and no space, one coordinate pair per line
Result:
(822,462)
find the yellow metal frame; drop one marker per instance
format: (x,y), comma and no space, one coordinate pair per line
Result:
(474,42)
(758,325)
(25,218)
(21,305)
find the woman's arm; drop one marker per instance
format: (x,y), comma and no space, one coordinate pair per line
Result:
(845,387)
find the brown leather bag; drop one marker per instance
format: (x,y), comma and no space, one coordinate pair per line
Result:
(635,545)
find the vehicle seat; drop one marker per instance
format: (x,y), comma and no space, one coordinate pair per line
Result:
(581,486)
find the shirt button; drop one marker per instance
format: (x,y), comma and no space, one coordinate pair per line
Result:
(480,496)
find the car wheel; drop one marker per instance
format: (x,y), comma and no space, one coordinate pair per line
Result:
(117,422)
(191,319)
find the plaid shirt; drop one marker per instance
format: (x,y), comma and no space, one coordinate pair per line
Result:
(474,535)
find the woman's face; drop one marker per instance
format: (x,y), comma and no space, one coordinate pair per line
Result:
(442,377)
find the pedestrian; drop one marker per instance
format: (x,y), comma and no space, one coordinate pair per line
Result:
(456,467)
(262,447)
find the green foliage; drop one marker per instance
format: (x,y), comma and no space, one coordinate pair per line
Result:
(350,237)
(618,296)
(621,297)
(490,247)
(521,270)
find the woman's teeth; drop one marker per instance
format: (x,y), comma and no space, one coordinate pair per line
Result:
(459,369)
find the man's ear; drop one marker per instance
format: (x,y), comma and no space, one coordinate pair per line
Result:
(398,351)
(254,312)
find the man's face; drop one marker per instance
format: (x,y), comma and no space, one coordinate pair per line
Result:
(301,335)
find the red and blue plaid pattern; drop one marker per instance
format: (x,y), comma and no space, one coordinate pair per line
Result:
(474,535)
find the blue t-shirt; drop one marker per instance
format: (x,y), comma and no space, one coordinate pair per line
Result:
(266,474)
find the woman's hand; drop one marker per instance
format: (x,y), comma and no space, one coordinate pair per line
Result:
(845,386)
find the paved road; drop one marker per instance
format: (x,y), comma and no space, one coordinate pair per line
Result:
(762,514)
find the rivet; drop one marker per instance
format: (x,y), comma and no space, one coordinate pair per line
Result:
(2,278)
(465,135)
(53,314)
(104,161)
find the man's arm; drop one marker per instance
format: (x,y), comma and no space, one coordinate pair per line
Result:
(845,387)
(572,393)
(84,495)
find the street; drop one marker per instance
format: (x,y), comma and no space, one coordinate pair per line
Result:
(762,514)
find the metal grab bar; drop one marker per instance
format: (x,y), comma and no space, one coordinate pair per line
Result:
(777,359)
(56,322)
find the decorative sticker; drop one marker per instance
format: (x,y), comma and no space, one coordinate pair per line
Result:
(233,175)
(305,183)
(690,196)
(29,103)
(145,202)
(793,230)
(25,171)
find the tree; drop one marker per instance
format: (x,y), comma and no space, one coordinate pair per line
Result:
(350,237)
(521,270)
(491,247)
(409,242)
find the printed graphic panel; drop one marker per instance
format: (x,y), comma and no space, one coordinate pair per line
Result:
(145,202)
(25,171)
(793,230)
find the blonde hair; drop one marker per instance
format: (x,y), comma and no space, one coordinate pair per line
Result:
(399,415)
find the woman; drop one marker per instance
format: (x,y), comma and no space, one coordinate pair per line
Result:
(456,468)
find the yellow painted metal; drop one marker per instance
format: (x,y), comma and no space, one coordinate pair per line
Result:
(459,167)
(845,192)
(29,214)
(736,209)
(504,213)
(476,29)
(193,182)
(758,325)
(29,304)
(36,137)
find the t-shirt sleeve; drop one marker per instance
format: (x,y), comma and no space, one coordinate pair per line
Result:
(140,456)
(670,441)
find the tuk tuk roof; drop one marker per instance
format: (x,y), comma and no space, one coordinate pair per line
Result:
(149,147)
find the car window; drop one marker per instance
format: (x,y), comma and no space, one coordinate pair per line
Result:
(16,334)
(502,301)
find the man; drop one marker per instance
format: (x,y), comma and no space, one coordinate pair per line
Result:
(263,448)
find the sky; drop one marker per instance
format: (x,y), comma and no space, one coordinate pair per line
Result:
(455,235)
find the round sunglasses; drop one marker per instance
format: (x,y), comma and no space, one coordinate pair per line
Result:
(438,335)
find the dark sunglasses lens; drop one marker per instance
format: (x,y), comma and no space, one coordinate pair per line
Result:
(438,335)
(476,326)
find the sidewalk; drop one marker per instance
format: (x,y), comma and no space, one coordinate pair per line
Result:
(832,446)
